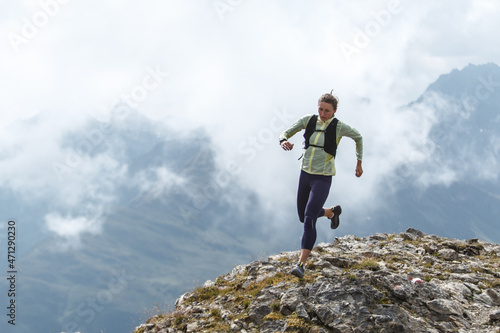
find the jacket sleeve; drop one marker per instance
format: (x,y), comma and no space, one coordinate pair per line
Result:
(351,132)
(297,126)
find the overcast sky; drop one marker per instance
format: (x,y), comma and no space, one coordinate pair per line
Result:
(242,69)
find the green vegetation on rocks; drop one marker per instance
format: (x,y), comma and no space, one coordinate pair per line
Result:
(408,282)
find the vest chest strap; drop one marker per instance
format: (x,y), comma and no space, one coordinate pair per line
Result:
(330,144)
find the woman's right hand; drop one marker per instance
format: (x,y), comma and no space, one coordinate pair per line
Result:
(287,145)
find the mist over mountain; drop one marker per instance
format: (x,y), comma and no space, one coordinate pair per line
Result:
(452,185)
(164,219)
(119,213)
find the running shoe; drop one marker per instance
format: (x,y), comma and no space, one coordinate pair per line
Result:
(335,220)
(298,270)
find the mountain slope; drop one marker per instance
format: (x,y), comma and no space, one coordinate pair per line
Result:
(408,282)
(455,190)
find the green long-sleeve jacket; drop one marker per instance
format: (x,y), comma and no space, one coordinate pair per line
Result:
(315,160)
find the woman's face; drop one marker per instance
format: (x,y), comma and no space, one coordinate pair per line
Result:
(325,111)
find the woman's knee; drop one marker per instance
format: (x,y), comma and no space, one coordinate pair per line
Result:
(309,223)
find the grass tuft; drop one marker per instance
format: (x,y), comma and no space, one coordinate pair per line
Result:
(367,264)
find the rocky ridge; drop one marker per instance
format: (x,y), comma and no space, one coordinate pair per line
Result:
(408,282)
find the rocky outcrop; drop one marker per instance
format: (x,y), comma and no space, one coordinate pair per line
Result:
(409,282)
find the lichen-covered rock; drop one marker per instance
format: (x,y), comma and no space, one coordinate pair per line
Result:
(445,307)
(289,301)
(411,282)
(448,254)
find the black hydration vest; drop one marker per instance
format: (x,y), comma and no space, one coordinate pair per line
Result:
(330,145)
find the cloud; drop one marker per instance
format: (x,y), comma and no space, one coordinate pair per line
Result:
(71,227)
(28,146)
(155,183)
(79,196)
(78,169)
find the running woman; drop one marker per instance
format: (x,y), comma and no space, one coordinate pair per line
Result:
(322,136)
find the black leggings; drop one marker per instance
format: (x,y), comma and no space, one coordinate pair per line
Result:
(311,196)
